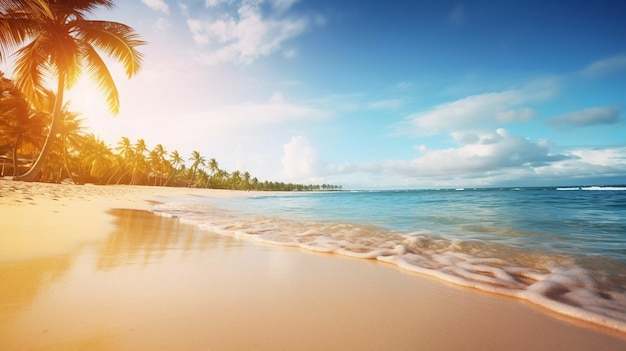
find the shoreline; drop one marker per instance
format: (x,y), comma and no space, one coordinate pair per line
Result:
(135,280)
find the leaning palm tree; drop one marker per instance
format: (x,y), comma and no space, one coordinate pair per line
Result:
(125,157)
(175,163)
(71,132)
(58,37)
(198,160)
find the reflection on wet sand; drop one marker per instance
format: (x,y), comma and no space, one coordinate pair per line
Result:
(143,239)
(65,301)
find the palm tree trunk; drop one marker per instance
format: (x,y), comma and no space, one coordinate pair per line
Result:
(33,173)
(16,171)
(122,177)
(193,174)
(67,163)
(169,178)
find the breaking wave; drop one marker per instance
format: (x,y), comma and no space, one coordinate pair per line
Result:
(560,283)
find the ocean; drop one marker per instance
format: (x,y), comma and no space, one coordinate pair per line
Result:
(560,248)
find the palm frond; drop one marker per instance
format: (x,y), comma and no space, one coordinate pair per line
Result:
(101,75)
(64,55)
(20,5)
(116,40)
(85,6)
(30,68)
(15,30)
(48,98)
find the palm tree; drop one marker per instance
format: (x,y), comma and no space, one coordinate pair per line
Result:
(235,180)
(139,163)
(97,158)
(57,36)
(197,160)
(126,154)
(176,161)
(19,124)
(246,180)
(70,134)
(221,178)
(157,162)
(255,183)
(213,166)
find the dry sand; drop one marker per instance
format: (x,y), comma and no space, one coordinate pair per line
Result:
(87,268)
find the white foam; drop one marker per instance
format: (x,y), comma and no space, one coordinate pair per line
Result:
(605,188)
(550,282)
(596,188)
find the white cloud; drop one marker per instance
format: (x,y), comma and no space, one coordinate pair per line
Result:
(214,3)
(477,153)
(477,112)
(282,5)
(462,114)
(587,163)
(478,160)
(246,35)
(602,156)
(162,24)
(157,5)
(587,117)
(607,66)
(488,159)
(520,115)
(184,9)
(277,111)
(299,159)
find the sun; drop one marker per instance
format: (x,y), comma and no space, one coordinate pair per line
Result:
(85,98)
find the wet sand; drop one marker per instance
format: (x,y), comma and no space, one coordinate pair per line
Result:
(87,268)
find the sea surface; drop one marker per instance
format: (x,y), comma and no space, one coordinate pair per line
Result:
(560,248)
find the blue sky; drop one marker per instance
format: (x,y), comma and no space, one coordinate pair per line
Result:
(372,94)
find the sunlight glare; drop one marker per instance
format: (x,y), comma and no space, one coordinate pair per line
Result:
(85,98)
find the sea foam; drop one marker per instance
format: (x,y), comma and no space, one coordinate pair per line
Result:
(554,282)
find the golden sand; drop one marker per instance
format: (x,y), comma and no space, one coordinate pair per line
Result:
(87,268)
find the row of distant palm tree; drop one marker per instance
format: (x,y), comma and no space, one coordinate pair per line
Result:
(57,40)
(81,157)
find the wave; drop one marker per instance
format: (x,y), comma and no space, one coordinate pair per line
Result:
(555,282)
(596,188)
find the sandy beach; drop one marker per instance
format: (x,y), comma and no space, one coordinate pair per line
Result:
(89,268)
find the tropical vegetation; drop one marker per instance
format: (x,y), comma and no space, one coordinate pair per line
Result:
(58,37)
(42,140)
(79,156)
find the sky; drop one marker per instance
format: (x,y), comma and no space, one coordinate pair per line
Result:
(374,94)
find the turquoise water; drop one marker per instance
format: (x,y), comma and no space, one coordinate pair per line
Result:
(561,248)
(568,222)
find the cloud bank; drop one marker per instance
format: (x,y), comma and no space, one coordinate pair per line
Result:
(157,5)
(244,32)
(486,109)
(300,160)
(607,66)
(588,117)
